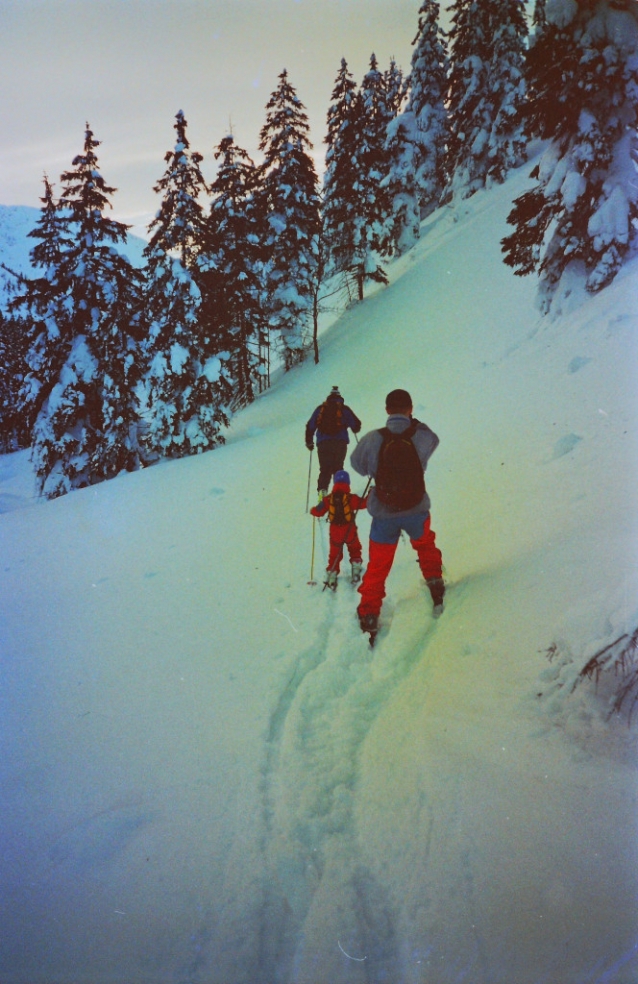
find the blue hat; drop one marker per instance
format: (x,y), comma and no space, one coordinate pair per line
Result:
(342,477)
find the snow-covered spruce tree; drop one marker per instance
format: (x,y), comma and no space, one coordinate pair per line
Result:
(288,198)
(188,384)
(417,138)
(229,266)
(84,360)
(373,222)
(15,425)
(340,206)
(396,88)
(582,215)
(486,92)
(539,17)
(42,300)
(535,69)
(428,92)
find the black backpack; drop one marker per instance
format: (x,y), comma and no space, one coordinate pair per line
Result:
(330,417)
(399,480)
(339,510)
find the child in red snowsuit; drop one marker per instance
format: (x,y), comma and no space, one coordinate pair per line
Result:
(342,505)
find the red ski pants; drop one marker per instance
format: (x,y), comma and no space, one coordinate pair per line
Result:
(372,587)
(340,537)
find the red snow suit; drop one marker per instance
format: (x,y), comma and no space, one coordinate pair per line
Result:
(345,533)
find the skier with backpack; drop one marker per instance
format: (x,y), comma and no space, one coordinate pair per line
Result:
(331,421)
(342,506)
(396,457)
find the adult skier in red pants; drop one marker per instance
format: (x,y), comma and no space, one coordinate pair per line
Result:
(396,457)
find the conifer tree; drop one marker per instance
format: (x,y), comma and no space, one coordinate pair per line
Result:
(405,215)
(291,219)
(396,88)
(15,424)
(83,360)
(539,17)
(357,195)
(582,215)
(340,206)
(43,298)
(372,232)
(428,93)
(536,69)
(486,93)
(188,381)
(229,267)
(417,138)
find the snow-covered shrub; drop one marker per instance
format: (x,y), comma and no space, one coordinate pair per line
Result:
(612,668)
(620,657)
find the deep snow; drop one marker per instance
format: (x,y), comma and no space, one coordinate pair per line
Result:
(206,774)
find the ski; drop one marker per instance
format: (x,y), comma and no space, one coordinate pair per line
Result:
(332,584)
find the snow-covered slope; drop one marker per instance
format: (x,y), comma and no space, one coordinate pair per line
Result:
(206,774)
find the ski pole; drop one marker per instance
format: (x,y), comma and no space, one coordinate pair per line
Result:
(350,525)
(309,471)
(312,556)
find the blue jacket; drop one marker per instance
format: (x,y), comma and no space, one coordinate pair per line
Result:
(365,457)
(348,418)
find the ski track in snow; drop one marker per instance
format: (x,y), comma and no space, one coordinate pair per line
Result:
(338,688)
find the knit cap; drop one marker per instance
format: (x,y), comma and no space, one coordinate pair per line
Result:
(342,478)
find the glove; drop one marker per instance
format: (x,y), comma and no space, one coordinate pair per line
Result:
(310,445)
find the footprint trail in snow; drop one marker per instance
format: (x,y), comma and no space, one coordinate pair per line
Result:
(314,874)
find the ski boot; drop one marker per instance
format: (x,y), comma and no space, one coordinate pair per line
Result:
(369,624)
(331,580)
(321,494)
(357,567)
(437,591)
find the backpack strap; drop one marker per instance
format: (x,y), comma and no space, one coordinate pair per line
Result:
(320,415)
(347,508)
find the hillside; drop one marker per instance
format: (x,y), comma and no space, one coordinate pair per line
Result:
(16,222)
(206,774)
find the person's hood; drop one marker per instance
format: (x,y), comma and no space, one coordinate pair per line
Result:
(398,422)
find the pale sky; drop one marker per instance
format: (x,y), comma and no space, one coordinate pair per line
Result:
(128,66)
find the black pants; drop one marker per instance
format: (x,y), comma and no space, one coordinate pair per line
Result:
(332,454)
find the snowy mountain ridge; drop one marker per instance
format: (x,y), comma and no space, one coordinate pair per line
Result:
(208,777)
(16,222)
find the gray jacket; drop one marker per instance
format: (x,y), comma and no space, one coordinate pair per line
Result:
(365,457)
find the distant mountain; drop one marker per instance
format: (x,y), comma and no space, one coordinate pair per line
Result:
(16,222)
